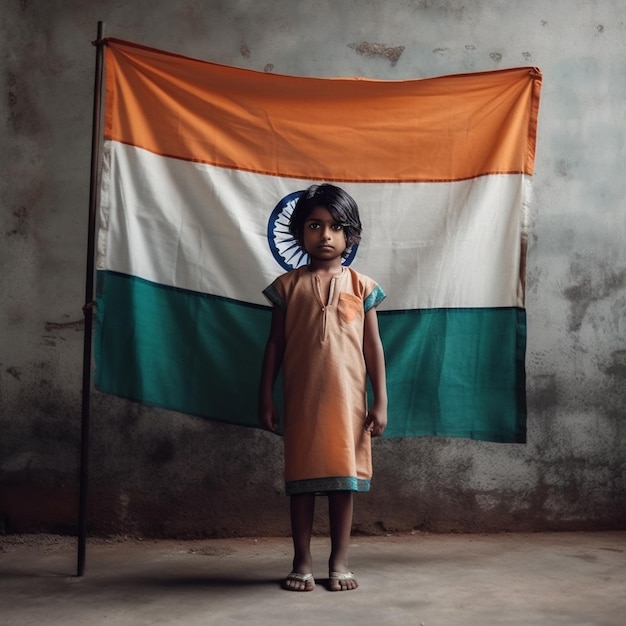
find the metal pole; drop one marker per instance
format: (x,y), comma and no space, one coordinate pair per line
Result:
(89,302)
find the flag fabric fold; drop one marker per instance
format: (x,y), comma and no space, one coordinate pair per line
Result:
(201,167)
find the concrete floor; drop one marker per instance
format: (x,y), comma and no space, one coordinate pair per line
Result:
(434,580)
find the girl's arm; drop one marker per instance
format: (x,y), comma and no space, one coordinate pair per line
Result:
(376,419)
(272,360)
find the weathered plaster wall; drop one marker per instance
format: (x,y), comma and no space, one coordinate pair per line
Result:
(157,473)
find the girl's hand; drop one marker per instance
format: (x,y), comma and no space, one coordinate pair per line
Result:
(268,417)
(376,421)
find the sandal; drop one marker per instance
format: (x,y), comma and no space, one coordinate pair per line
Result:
(294,580)
(338,577)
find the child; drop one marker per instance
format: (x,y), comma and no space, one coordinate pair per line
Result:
(324,333)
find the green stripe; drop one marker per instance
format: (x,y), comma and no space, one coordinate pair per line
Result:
(450,372)
(179,350)
(456,373)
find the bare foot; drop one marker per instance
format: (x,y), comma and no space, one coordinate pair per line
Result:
(338,581)
(299,582)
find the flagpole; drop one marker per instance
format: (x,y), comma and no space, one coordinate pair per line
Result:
(89,302)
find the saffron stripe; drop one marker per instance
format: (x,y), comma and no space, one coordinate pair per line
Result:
(343,129)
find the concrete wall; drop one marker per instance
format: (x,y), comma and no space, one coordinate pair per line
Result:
(163,474)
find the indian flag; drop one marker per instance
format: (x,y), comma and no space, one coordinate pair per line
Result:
(201,167)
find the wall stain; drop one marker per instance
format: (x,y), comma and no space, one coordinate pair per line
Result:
(592,281)
(269,67)
(246,53)
(618,364)
(563,167)
(544,391)
(391,53)
(77,325)
(162,452)
(15,372)
(22,215)
(23,113)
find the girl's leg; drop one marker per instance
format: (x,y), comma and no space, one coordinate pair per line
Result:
(302,508)
(340,507)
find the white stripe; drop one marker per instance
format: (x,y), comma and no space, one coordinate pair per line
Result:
(203,228)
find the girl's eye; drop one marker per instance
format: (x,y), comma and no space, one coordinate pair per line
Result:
(317,226)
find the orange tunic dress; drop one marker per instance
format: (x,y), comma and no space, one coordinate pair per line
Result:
(324,380)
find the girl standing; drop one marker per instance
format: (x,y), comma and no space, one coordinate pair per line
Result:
(324,334)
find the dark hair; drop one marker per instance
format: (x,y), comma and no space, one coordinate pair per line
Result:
(339,203)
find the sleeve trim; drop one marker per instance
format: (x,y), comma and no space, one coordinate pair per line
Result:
(271,293)
(374,299)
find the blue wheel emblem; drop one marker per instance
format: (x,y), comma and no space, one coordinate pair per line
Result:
(285,249)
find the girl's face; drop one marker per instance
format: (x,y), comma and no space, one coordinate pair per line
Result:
(324,238)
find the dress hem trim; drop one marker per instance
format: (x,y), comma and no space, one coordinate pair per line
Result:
(324,485)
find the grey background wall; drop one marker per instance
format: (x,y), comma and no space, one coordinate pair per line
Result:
(163,474)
